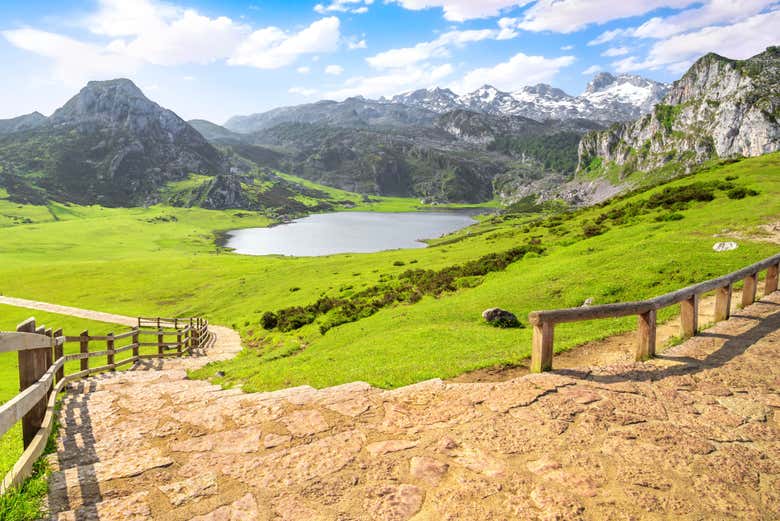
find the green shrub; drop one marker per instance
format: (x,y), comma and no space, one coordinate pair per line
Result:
(269,320)
(591,229)
(740,192)
(674,216)
(399,263)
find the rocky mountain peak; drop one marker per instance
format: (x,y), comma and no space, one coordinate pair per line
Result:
(600,81)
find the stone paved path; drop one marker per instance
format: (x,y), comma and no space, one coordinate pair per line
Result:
(694,434)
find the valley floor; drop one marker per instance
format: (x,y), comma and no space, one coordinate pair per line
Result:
(692,434)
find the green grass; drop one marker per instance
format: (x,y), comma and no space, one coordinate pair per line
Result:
(125,261)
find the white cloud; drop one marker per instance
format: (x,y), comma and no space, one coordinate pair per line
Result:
(303,70)
(462,10)
(566,16)
(75,62)
(438,48)
(519,70)
(165,35)
(354,43)
(132,33)
(344,6)
(271,48)
(392,82)
(188,78)
(593,69)
(713,12)
(567,47)
(738,41)
(334,70)
(616,51)
(608,36)
(302,91)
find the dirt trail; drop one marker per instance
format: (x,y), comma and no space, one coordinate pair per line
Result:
(693,434)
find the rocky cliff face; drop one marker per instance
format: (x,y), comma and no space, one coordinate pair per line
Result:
(719,108)
(21,123)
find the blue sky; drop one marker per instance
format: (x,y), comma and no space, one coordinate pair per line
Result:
(210,59)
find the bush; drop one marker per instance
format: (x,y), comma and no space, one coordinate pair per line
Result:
(740,193)
(591,229)
(674,216)
(269,320)
(399,263)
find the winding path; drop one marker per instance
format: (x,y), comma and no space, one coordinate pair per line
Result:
(693,434)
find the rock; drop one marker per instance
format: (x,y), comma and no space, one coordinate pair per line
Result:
(384,447)
(724,246)
(305,423)
(397,503)
(427,469)
(588,302)
(501,317)
(244,508)
(191,489)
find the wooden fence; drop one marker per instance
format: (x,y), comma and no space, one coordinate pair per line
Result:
(42,372)
(544,321)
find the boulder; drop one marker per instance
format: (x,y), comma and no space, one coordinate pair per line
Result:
(501,318)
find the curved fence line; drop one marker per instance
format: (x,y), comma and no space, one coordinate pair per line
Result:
(42,372)
(688,298)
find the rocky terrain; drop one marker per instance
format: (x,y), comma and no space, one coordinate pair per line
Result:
(720,108)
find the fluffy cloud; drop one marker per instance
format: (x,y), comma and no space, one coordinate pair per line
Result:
(334,70)
(392,82)
(344,6)
(271,48)
(566,16)
(438,48)
(303,70)
(739,41)
(75,62)
(138,32)
(462,10)
(593,69)
(521,69)
(616,51)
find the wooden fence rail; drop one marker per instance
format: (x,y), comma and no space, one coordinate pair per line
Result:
(42,372)
(544,321)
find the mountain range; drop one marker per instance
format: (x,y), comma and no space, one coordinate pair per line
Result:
(111,145)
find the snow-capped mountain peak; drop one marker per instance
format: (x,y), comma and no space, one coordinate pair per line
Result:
(607,98)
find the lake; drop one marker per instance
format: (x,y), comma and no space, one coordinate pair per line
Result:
(348,232)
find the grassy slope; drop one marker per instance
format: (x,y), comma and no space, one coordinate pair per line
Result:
(115,260)
(11,442)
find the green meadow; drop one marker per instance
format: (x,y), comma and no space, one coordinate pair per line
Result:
(166,261)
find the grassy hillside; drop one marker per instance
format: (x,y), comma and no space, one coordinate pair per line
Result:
(162,260)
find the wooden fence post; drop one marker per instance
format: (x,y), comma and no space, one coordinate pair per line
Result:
(770,285)
(59,350)
(178,343)
(110,349)
(160,340)
(749,290)
(49,354)
(135,341)
(689,316)
(542,348)
(32,365)
(645,347)
(723,303)
(84,349)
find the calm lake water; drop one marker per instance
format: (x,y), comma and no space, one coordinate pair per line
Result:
(348,232)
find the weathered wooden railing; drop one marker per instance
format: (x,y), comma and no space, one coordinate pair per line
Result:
(544,321)
(42,372)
